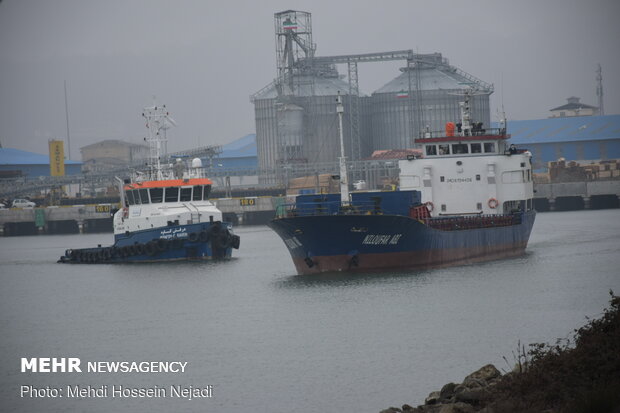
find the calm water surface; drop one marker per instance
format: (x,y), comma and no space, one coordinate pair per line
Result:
(271,341)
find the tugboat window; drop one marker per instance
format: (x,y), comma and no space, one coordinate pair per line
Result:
(157,195)
(489,147)
(476,148)
(458,148)
(136,197)
(444,149)
(172,194)
(431,150)
(207,192)
(197,193)
(130,198)
(144,195)
(186,194)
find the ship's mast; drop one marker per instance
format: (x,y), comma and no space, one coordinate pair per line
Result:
(158,120)
(344,180)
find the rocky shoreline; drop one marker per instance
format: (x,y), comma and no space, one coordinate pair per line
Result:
(465,397)
(579,376)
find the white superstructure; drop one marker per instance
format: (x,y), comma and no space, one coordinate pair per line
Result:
(164,195)
(470,171)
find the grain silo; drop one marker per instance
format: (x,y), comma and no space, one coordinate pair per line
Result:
(299,128)
(296,122)
(424,97)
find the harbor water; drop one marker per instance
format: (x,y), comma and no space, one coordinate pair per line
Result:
(268,340)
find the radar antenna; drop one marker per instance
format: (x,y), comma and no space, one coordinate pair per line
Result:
(158,120)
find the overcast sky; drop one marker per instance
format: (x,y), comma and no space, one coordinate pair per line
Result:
(204,58)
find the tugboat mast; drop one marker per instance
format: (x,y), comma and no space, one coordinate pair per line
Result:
(344,180)
(157,121)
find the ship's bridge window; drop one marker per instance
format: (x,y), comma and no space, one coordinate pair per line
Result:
(186,194)
(207,192)
(136,197)
(444,149)
(197,193)
(144,195)
(431,150)
(130,198)
(476,148)
(489,147)
(459,148)
(157,195)
(172,194)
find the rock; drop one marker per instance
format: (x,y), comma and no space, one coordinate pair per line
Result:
(434,408)
(482,376)
(407,408)
(391,410)
(432,398)
(447,392)
(474,396)
(457,408)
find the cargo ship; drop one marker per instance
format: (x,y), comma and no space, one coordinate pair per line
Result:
(165,213)
(468,198)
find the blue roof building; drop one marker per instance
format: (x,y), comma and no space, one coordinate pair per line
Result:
(239,154)
(581,138)
(15,162)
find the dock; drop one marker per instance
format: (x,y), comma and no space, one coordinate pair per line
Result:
(93,218)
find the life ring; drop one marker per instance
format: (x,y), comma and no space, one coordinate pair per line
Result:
(493,203)
(430,206)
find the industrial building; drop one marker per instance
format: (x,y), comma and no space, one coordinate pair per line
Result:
(15,163)
(573,108)
(112,154)
(583,139)
(296,122)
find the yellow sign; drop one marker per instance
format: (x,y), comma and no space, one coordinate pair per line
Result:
(247,202)
(57,158)
(102,208)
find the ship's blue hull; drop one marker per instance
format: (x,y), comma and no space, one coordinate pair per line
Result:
(173,243)
(342,242)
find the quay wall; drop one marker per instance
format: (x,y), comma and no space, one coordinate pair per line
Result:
(259,210)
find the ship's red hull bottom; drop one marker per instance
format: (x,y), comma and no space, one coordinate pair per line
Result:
(407,260)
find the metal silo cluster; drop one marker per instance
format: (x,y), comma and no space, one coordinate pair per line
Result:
(296,123)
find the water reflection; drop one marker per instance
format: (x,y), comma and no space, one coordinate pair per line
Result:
(346,279)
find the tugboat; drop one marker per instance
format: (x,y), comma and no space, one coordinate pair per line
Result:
(165,212)
(468,198)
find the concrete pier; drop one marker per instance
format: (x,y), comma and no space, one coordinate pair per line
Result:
(259,210)
(568,196)
(97,218)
